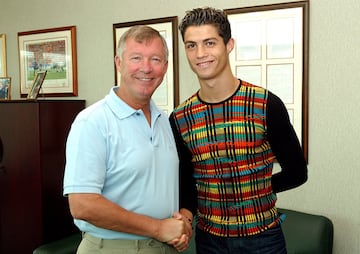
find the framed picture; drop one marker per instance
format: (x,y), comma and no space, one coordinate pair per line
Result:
(166,96)
(53,50)
(36,86)
(5,88)
(272,51)
(2,55)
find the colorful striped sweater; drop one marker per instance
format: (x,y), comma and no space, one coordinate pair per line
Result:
(232,161)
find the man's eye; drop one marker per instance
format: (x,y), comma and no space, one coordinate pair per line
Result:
(136,58)
(210,43)
(190,45)
(156,59)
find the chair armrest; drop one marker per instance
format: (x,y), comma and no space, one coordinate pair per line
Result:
(66,245)
(307,233)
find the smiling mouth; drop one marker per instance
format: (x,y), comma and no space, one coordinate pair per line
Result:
(145,79)
(204,64)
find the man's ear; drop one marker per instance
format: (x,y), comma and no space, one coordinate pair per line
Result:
(230,45)
(117,62)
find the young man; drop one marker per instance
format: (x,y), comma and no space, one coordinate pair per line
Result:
(121,172)
(228,135)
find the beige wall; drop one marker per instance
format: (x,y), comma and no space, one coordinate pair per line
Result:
(334,88)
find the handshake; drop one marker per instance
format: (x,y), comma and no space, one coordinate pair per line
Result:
(176,231)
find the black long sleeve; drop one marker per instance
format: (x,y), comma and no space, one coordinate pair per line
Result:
(187,184)
(286,147)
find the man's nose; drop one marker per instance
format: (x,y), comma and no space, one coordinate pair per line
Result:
(146,66)
(200,51)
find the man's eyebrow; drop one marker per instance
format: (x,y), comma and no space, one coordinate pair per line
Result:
(205,40)
(189,41)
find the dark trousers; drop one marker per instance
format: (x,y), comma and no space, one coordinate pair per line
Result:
(271,241)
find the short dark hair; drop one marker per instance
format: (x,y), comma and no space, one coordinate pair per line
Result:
(207,16)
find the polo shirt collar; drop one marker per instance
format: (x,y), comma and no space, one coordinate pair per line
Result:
(123,110)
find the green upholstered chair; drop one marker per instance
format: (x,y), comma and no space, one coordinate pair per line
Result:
(307,233)
(67,245)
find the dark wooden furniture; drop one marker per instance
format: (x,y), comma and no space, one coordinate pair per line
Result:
(33,210)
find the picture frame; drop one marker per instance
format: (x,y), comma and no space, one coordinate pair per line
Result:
(36,85)
(3,55)
(166,96)
(5,88)
(272,50)
(53,50)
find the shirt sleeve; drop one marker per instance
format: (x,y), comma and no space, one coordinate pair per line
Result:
(187,183)
(286,147)
(85,167)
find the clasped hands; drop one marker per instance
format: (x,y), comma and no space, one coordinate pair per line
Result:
(176,231)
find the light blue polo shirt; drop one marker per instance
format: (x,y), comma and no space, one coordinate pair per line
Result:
(112,150)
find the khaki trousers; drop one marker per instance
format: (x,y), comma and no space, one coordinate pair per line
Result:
(94,245)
